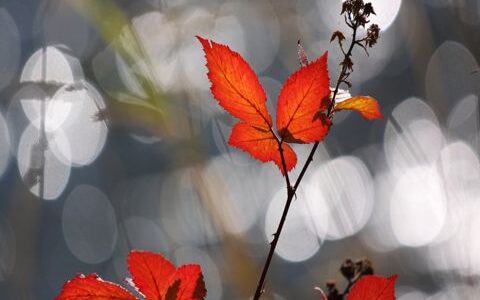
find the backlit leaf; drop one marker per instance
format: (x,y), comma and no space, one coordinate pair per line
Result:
(92,287)
(303,102)
(237,89)
(373,287)
(158,279)
(151,273)
(261,145)
(366,106)
(234,84)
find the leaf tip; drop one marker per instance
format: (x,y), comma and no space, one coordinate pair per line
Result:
(205,43)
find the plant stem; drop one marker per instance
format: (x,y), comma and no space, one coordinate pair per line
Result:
(273,245)
(292,190)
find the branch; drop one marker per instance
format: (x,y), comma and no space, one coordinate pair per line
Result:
(291,190)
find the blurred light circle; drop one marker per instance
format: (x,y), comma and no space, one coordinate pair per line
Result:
(299,240)
(223,30)
(385,12)
(184,216)
(30,155)
(460,168)
(450,60)
(418,207)
(194,21)
(19,115)
(261,29)
(463,121)
(86,136)
(10,48)
(54,115)
(229,31)
(89,224)
(224,176)
(345,186)
(460,252)
(4,145)
(145,234)
(464,110)
(411,295)
(52,65)
(193,65)
(137,232)
(58,22)
(412,136)
(213,282)
(7,249)
(226,182)
(378,233)
(158,37)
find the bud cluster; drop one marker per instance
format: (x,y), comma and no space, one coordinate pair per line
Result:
(357,14)
(352,271)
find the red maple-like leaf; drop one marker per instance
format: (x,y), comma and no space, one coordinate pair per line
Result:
(373,287)
(153,276)
(156,278)
(237,89)
(92,287)
(302,104)
(235,85)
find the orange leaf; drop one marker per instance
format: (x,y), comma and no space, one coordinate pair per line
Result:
(366,106)
(302,104)
(261,145)
(372,287)
(92,287)
(156,278)
(235,85)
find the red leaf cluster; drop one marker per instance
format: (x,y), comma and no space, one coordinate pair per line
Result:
(302,105)
(154,277)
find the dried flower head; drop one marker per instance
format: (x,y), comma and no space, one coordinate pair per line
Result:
(373,32)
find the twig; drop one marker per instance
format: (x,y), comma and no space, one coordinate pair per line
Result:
(291,190)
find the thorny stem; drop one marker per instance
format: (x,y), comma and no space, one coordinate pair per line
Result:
(291,190)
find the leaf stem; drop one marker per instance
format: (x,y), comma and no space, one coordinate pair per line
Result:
(291,190)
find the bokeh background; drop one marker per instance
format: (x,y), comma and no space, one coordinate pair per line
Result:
(110,141)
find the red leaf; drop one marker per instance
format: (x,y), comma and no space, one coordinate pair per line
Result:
(156,278)
(92,287)
(151,273)
(192,285)
(238,91)
(262,145)
(235,85)
(302,104)
(372,287)
(366,106)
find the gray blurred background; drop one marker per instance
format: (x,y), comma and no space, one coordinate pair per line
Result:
(110,140)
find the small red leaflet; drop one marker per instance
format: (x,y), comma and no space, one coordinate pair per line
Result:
(373,287)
